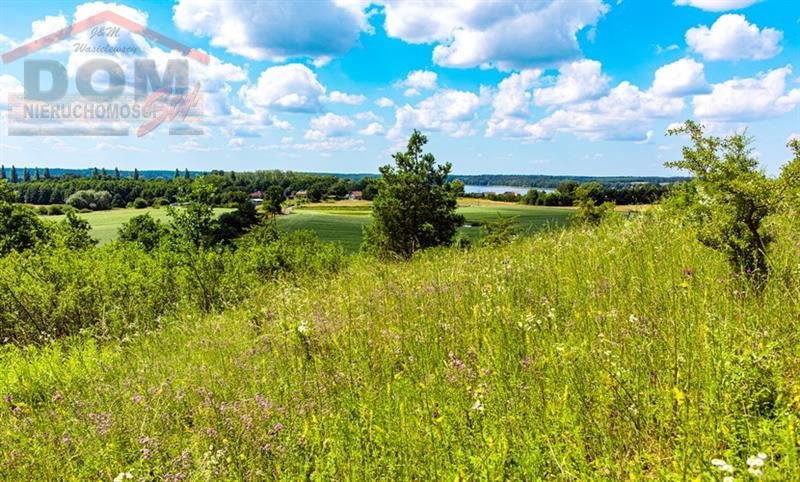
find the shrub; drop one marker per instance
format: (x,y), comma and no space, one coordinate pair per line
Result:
(732,198)
(90,200)
(144,230)
(20,227)
(55,209)
(140,203)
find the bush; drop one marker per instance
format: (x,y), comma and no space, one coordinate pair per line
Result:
(90,200)
(56,209)
(42,210)
(143,230)
(732,198)
(140,203)
(20,227)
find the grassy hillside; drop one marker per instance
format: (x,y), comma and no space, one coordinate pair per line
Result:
(625,351)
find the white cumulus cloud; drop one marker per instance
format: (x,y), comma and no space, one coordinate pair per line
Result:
(731,37)
(450,111)
(624,114)
(748,99)
(577,81)
(717,5)
(374,128)
(290,87)
(275,30)
(507,35)
(327,126)
(343,98)
(680,78)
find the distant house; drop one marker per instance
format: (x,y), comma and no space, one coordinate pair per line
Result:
(257,195)
(255,201)
(301,193)
(354,195)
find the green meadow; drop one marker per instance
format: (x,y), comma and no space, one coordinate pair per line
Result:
(106,223)
(342,222)
(627,351)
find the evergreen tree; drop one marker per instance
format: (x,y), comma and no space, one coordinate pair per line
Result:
(37,176)
(186,174)
(2,172)
(95,173)
(135,174)
(177,174)
(416,206)
(26,175)
(47,173)
(116,173)
(105,174)
(14,178)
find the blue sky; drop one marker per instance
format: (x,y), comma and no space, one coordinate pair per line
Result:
(584,87)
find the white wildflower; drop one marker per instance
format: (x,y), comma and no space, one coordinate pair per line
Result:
(123,476)
(303,327)
(722,465)
(477,406)
(728,478)
(755,472)
(755,461)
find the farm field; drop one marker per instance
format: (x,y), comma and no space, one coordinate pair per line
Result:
(341,222)
(106,223)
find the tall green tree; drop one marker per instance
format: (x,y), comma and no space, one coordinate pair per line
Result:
(177,174)
(26,174)
(135,174)
(415,207)
(2,172)
(273,197)
(46,173)
(14,179)
(36,175)
(186,174)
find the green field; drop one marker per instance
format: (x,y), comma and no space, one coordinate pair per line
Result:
(342,223)
(106,223)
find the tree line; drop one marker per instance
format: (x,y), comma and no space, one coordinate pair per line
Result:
(230,188)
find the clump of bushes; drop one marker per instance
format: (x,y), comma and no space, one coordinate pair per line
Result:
(90,200)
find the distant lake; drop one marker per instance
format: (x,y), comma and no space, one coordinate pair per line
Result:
(501,189)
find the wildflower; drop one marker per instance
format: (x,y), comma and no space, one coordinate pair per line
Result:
(688,272)
(755,461)
(477,406)
(303,327)
(755,472)
(722,465)
(123,476)
(728,478)
(680,397)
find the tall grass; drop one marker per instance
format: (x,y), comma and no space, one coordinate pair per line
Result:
(623,351)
